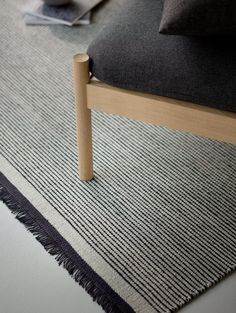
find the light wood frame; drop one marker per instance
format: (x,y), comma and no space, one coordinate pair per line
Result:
(176,114)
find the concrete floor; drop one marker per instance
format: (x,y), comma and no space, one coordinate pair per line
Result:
(31,281)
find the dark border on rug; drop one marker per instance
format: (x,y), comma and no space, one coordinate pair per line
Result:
(63,252)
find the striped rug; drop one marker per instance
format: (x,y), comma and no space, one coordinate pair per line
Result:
(157,226)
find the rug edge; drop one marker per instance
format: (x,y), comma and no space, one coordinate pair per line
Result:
(60,249)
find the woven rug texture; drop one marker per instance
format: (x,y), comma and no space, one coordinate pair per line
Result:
(158,223)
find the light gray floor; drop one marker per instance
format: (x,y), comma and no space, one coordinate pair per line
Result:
(31,281)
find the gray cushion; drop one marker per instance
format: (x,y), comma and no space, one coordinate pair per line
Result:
(130,53)
(198,17)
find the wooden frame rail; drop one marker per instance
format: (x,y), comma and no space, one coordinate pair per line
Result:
(176,114)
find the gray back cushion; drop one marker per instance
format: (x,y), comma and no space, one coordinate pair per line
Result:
(198,17)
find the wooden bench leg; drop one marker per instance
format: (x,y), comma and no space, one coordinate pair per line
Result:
(83,117)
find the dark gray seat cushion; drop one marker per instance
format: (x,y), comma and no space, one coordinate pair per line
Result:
(130,53)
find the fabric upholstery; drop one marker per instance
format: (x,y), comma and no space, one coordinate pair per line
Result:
(130,53)
(198,17)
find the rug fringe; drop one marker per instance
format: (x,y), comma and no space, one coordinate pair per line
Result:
(52,247)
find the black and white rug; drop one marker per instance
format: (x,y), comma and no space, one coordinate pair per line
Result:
(157,226)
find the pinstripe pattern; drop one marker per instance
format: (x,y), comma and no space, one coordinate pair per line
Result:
(161,211)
